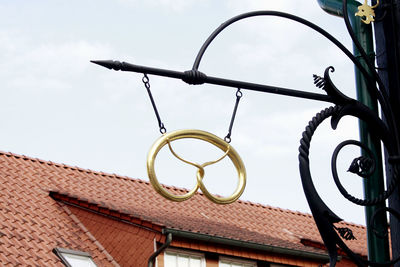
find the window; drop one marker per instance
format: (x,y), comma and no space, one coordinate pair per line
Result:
(72,258)
(230,262)
(181,258)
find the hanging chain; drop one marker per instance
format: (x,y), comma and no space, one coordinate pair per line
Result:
(146,83)
(239,94)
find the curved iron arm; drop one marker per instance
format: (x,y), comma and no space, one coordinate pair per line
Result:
(276,14)
(381,95)
(194,76)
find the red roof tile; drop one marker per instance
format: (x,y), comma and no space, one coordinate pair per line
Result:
(26,205)
(32,224)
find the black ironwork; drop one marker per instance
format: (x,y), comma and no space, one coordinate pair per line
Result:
(146,83)
(362,166)
(196,77)
(387,43)
(163,130)
(346,233)
(387,132)
(239,95)
(325,218)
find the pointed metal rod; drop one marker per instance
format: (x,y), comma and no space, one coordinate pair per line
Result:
(197,77)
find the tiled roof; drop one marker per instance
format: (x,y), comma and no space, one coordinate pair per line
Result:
(28,212)
(31,223)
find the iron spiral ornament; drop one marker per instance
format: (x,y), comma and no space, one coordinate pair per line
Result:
(324,217)
(363,166)
(362,202)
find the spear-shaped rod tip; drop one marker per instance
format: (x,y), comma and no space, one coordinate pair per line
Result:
(110,64)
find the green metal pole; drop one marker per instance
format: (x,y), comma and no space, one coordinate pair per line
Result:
(378,248)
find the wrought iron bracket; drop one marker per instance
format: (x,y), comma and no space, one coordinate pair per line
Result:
(344,106)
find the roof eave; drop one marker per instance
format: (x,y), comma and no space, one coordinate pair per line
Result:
(106,211)
(245,244)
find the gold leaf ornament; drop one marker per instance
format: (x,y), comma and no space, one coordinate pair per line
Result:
(366,12)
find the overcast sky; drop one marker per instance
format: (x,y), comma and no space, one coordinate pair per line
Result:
(57,106)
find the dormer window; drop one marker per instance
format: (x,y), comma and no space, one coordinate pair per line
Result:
(235,262)
(183,258)
(73,258)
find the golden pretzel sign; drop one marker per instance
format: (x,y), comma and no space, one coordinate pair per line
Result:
(228,150)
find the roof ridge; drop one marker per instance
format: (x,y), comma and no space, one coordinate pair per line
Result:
(80,169)
(66,166)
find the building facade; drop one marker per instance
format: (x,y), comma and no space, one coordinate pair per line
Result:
(58,215)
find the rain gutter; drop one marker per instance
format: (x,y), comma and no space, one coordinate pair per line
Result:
(245,244)
(153,256)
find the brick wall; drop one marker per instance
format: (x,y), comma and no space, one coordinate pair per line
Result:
(251,254)
(128,244)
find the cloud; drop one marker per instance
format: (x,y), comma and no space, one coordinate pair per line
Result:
(45,66)
(238,6)
(174,6)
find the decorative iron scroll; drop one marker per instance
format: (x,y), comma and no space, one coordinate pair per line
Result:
(363,166)
(324,217)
